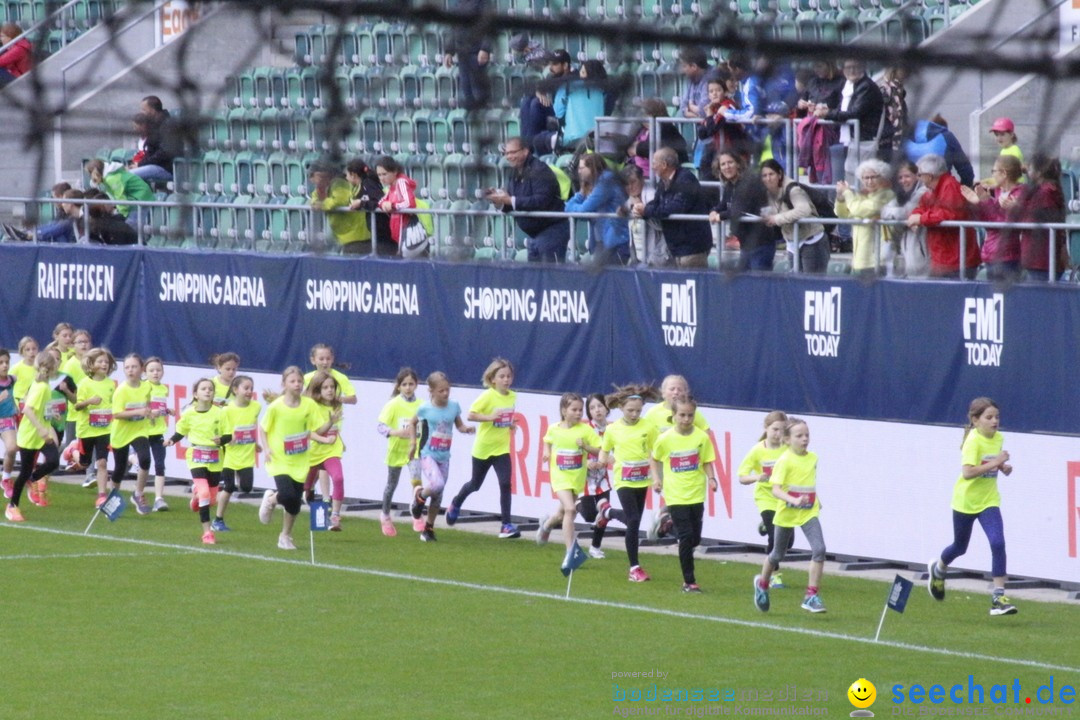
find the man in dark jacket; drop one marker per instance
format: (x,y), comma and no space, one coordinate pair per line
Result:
(860,99)
(678,192)
(532,186)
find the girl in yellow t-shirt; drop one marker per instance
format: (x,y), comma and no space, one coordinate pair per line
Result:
(567,446)
(35,436)
(64,338)
(202,423)
(682,465)
(327,450)
(627,445)
(241,423)
(131,421)
(494,410)
(756,469)
(794,485)
(395,424)
(160,411)
(322,357)
(93,400)
(976,497)
(24,369)
(226,364)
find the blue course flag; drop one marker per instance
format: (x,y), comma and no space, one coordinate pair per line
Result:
(320,516)
(114,505)
(575,558)
(898,593)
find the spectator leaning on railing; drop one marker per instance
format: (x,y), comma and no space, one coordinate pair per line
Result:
(942,202)
(17,60)
(1042,202)
(999,203)
(609,238)
(788,202)
(866,204)
(742,193)
(913,259)
(678,192)
(532,186)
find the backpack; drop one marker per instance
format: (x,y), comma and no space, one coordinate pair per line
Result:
(823,206)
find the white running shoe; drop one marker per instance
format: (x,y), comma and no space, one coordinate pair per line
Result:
(266,507)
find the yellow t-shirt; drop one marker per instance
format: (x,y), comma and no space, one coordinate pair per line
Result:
(125,397)
(760,460)
(37,397)
(797,475)
(222,392)
(287,436)
(684,458)
(344,386)
(200,429)
(95,420)
(322,451)
(397,415)
(159,404)
(243,424)
(24,378)
(569,463)
(631,446)
(660,416)
(975,495)
(493,438)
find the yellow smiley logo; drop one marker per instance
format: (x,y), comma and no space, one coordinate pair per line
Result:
(862,693)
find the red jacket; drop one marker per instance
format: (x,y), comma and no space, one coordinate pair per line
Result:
(946,202)
(1044,203)
(17,58)
(402,194)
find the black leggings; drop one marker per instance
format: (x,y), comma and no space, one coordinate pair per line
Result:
(688,520)
(229,477)
(141,446)
(157,451)
(770,532)
(587,507)
(633,504)
(213,479)
(480,468)
(94,448)
(28,471)
(289,493)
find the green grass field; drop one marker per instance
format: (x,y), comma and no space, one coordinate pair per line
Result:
(139,620)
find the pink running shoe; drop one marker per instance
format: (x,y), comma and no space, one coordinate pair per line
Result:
(8,486)
(208,538)
(12,513)
(638,575)
(419,524)
(101,498)
(388,528)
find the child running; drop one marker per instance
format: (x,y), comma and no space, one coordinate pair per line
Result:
(756,469)
(322,357)
(681,464)
(159,410)
(494,410)
(976,497)
(567,445)
(201,423)
(794,484)
(595,501)
(94,396)
(629,440)
(23,370)
(673,388)
(241,423)
(35,436)
(226,364)
(8,415)
(130,430)
(325,454)
(395,424)
(63,337)
(435,423)
(287,437)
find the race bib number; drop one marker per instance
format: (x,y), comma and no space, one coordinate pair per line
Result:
(205,455)
(6,424)
(439,441)
(989,473)
(635,471)
(243,435)
(568,459)
(766,470)
(140,407)
(812,499)
(55,409)
(296,444)
(158,406)
(504,418)
(684,461)
(100,418)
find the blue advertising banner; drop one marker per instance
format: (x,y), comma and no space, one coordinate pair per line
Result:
(891,350)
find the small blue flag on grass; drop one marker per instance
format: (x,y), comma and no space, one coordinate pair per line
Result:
(575,558)
(114,505)
(320,516)
(898,594)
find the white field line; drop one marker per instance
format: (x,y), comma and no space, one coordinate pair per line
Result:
(557,597)
(65,556)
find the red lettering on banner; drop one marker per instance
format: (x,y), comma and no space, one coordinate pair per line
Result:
(1073,509)
(723,474)
(518,455)
(543,474)
(179,394)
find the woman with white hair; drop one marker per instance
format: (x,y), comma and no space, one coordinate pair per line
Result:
(866,204)
(942,202)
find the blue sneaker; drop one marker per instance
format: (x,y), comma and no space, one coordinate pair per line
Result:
(509,531)
(761,595)
(812,603)
(451,514)
(218,525)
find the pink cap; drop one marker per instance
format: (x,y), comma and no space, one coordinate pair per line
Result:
(1003,124)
